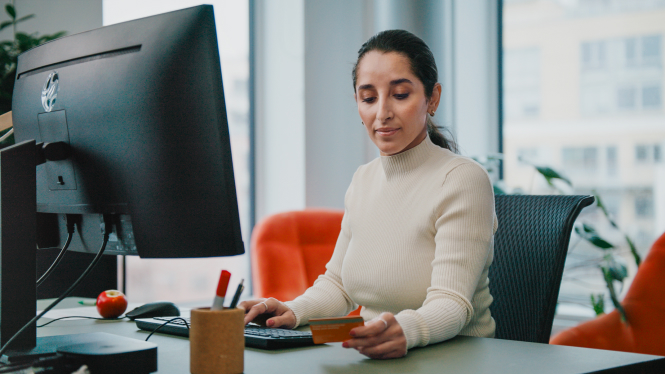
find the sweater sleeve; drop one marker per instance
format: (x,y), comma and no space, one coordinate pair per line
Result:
(327,297)
(465,225)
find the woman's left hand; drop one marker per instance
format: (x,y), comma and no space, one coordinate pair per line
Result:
(380,338)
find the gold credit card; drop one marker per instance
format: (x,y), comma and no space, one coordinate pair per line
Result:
(328,330)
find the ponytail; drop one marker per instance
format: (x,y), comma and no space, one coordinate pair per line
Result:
(438,138)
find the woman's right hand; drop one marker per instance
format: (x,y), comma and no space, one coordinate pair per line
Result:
(283,316)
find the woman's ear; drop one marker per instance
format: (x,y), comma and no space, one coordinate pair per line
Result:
(435,99)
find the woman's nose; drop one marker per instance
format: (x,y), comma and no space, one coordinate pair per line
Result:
(384,113)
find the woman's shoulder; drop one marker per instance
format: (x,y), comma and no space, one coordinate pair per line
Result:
(448,163)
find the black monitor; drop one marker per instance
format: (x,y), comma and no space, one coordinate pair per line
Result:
(136,111)
(141,104)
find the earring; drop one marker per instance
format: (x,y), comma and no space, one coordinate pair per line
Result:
(432,113)
(363,123)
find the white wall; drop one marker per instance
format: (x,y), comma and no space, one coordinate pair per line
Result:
(280,103)
(476,76)
(335,139)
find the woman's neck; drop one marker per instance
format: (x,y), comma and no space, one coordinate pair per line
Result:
(419,139)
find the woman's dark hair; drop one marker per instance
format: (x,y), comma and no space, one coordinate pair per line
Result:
(423,66)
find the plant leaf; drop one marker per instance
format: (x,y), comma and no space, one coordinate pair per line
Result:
(5,24)
(613,295)
(551,174)
(633,251)
(47,38)
(598,303)
(603,208)
(588,233)
(25,18)
(615,267)
(11,11)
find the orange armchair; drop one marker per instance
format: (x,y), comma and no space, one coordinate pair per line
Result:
(645,309)
(290,250)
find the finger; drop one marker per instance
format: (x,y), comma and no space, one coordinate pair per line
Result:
(255,310)
(247,304)
(279,321)
(373,327)
(380,350)
(364,342)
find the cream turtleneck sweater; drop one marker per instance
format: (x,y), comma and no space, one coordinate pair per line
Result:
(416,241)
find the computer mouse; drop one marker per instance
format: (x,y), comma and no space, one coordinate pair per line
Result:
(156,309)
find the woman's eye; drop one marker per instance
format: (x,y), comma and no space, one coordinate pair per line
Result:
(369,99)
(401,96)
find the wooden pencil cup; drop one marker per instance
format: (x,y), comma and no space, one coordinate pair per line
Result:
(217,341)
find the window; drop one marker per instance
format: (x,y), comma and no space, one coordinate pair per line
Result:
(644,206)
(630,51)
(621,74)
(612,160)
(651,53)
(593,55)
(600,96)
(641,153)
(522,82)
(651,96)
(656,153)
(580,159)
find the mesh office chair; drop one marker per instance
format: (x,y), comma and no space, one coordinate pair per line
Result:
(530,249)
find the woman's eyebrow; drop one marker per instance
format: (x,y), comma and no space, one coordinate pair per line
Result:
(392,83)
(399,81)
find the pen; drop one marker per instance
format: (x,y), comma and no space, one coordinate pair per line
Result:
(234,302)
(218,302)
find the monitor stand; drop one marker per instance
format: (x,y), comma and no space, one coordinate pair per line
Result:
(18,274)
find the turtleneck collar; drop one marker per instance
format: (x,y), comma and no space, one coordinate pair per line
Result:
(402,163)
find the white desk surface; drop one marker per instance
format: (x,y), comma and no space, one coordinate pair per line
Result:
(458,355)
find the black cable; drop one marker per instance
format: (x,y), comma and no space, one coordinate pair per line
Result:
(86,317)
(98,256)
(166,323)
(70,235)
(56,262)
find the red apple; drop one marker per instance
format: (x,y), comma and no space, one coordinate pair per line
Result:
(111,303)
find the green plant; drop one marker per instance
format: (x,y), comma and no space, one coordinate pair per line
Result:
(9,51)
(612,267)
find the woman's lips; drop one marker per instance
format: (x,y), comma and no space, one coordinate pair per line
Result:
(387,131)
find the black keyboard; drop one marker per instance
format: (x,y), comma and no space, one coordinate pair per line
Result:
(255,336)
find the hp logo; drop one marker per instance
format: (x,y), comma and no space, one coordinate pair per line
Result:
(50,91)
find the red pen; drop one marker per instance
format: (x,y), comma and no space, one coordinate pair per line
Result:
(218,302)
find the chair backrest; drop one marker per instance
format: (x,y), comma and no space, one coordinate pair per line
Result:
(290,250)
(530,249)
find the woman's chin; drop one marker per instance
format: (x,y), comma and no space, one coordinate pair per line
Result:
(390,150)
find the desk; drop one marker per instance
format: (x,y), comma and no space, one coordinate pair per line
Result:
(458,355)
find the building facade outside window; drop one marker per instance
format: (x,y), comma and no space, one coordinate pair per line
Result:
(598,83)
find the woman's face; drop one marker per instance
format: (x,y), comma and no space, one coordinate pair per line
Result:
(392,102)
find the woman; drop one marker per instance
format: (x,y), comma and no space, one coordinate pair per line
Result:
(417,234)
